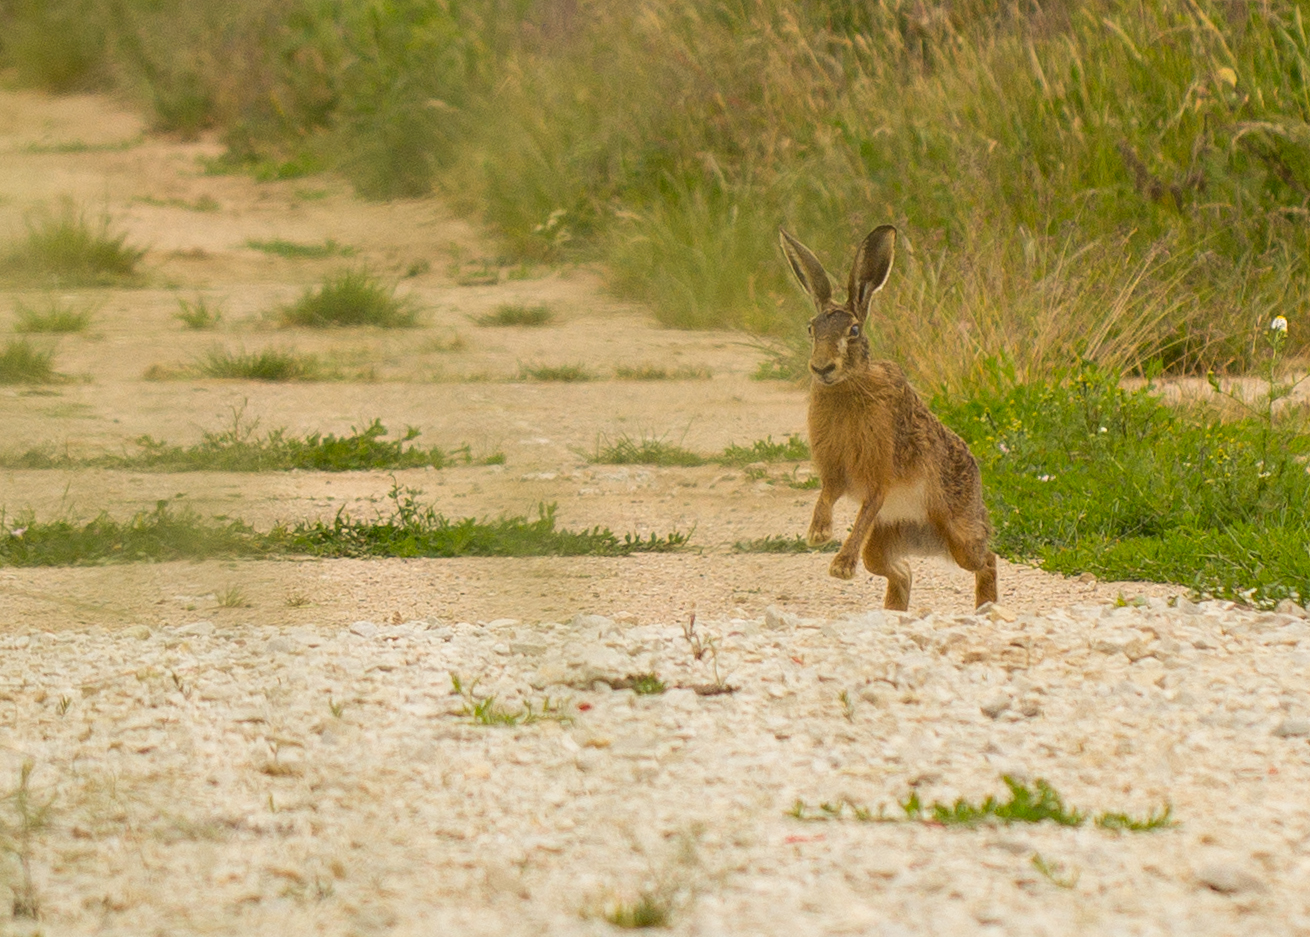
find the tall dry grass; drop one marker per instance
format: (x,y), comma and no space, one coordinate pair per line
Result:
(1128,182)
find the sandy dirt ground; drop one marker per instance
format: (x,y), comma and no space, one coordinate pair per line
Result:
(198,831)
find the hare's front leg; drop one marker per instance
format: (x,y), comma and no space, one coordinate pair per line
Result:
(821,524)
(843,564)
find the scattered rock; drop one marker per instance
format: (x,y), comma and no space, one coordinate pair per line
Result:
(202,629)
(996,705)
(775,619)
(1228,877)
(365,629)
(1292,728)
(1288,607)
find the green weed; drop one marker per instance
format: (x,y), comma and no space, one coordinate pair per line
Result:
(1054,872)
(411,529)
(268,365)
(488,711)
(773,544)
(56,46)
(649,910)
(198,315)
(795,449)
(561,373)
(62,249)
(54,317)
(645,450)
(650,372)
(22,363)
(23,818)
(293,250)
(517,314)
(351,298)
(240,448)
(1037,804)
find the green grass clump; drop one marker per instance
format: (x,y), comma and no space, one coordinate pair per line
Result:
(651,372)
(1083,476)
(645,450)
(63,249)
(55,317)
(793,544)
(411,529)
(351,298)
(294,250)
(649,910)
(198,315)
(795,449)
(267,365)
(560,373)
(517,314)
(239,449)
(22,363)
(1037,804)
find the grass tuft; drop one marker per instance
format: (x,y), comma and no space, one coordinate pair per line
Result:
(21,363)
(561,373)
(53,318)
(64,250)
(625,450)
(294,250)
(198,315)
(774,544)
(518,315)
(649,910)
(267,365)
(352,298)
(651,372)
(795,449)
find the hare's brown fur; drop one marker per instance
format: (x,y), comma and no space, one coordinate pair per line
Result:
(873,438)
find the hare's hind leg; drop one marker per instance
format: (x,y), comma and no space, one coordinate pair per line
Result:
(882,559)
(969,550)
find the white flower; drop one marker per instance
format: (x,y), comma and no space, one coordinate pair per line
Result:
(18,531)
(1278,325)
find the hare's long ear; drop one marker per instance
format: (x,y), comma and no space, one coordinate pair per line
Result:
(873,262)
(809,272)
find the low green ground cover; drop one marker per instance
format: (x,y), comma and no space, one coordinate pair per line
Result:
(411,529)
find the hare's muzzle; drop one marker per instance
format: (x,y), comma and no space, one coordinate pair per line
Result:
(825,372)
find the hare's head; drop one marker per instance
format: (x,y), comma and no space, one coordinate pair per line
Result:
(838,343)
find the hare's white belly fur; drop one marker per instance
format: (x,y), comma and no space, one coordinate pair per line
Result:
(904,504)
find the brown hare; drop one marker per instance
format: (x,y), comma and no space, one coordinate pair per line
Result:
(873,438)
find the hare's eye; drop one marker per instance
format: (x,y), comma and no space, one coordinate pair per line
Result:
(810,328)
(855,331)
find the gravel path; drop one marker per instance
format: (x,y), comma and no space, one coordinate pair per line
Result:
(259,780)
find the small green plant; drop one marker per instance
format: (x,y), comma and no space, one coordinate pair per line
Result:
(513,314)
(350,299)
(643,684)
(267,365)
(294,250)
(24,816)
(651,372)
(1055,872)
(336,708)
(488,711)
(198,314)
(645,450)
(63,705)
(649,910)
(776,544)
(298,600)
(52,317)
(562,373)
(1155,820)
(64,250)
(232,597)
(21,363)
(795,449)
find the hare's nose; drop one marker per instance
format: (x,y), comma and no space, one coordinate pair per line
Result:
(825,370)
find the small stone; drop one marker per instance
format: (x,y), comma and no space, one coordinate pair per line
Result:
(1030,707)
(775,619)
(1228,878)
(1292,728)
(527,648)
(503,623)
(597,623)
(280,645)
(365,629)
(1088,578)
(1288,607)
(140,632)
(995,706)
(1187,606)
(200,628)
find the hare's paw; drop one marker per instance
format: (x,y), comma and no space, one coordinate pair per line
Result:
(819,534)
(842,567)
